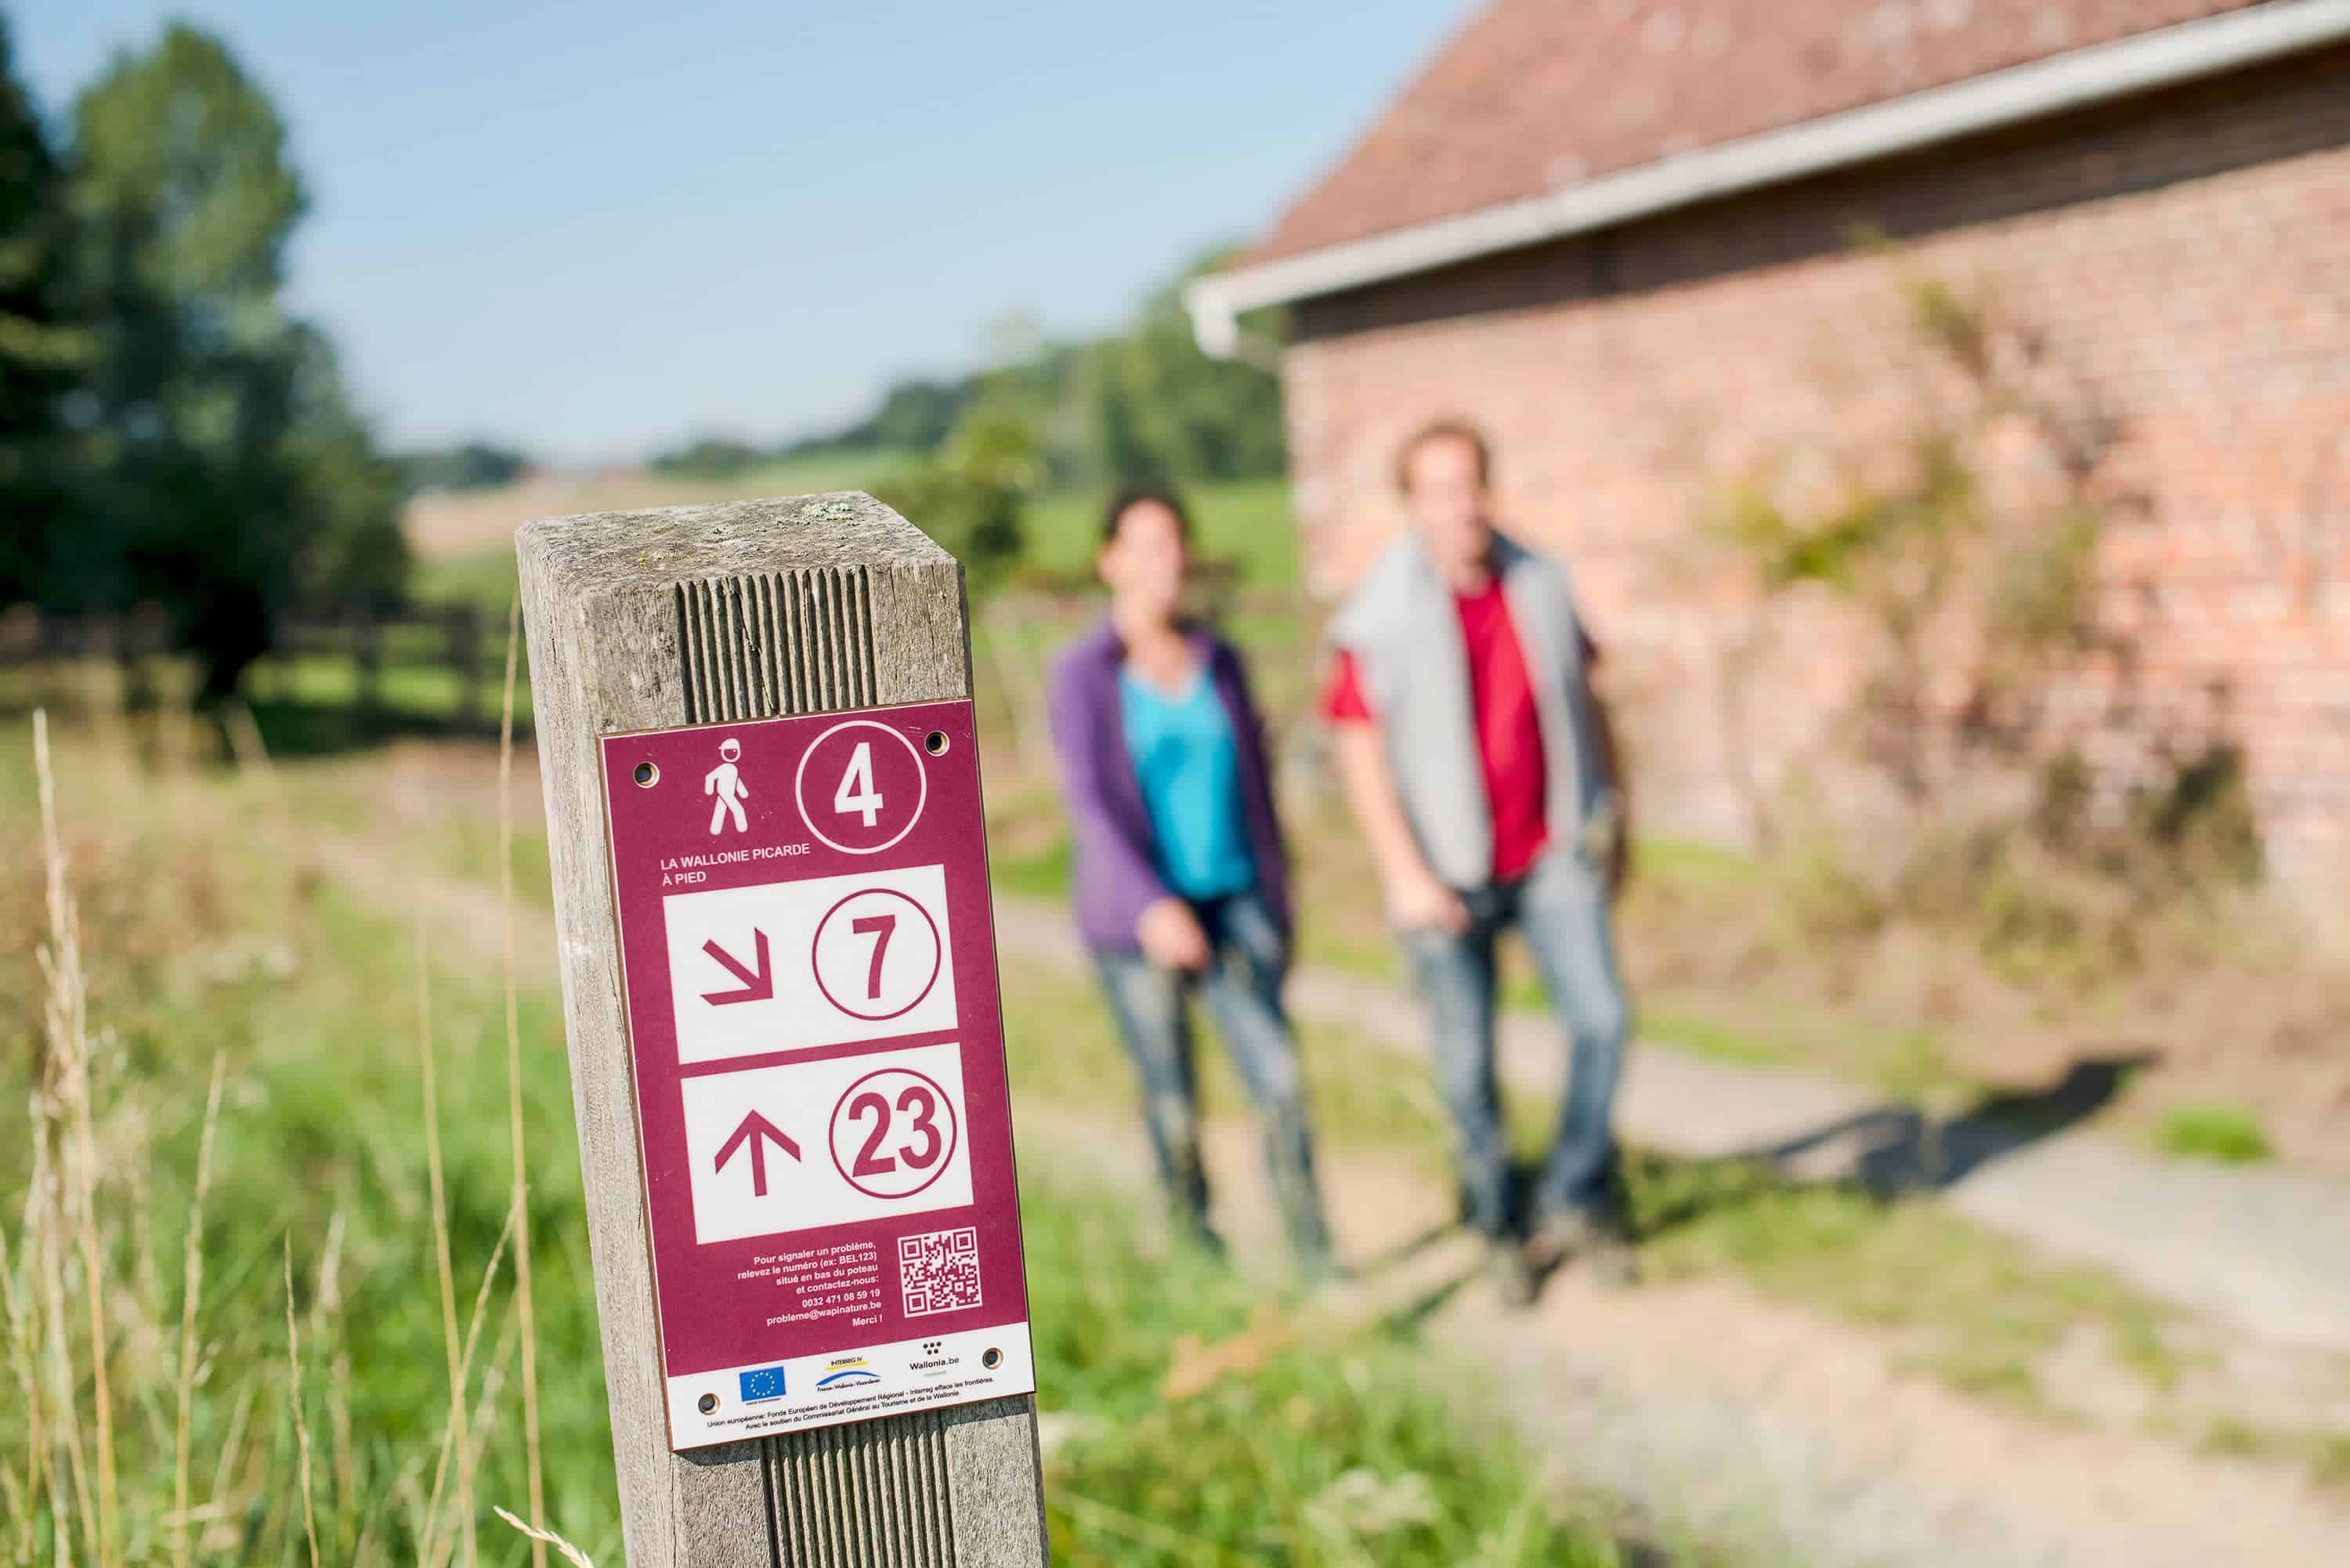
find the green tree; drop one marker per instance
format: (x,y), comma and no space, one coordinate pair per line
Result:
(469,465)
(970,495)
(708,457)
(40,344)
(1160,408)
(226,477)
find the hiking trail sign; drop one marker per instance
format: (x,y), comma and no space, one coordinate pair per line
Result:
(819,1070)
(765,830)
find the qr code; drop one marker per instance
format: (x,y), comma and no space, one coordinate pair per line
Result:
(939,1271)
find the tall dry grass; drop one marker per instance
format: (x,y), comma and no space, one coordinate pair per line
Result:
(211,1456)
(525,1307)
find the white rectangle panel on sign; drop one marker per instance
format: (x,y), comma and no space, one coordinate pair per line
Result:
(806,1144)
(790,965)
(889,1380)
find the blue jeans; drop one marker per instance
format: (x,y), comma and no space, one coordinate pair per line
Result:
(1242,988)
(1561,909)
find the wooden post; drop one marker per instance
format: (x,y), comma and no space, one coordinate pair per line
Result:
(706,615)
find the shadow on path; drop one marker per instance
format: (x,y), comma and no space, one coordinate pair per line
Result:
(1885,1153)
(1898,1149)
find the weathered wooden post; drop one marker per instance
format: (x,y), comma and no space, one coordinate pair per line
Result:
(786,1047)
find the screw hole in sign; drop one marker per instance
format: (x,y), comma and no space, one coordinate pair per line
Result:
(647,775)
(936,742)
(708,1402)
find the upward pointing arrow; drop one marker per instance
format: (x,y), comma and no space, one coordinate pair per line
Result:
(754,1128)
(758,985)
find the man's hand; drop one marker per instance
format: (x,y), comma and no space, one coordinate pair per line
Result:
(1171,936)
(1420,901)
(1417,900)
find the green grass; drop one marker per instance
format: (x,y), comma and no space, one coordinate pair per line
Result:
(1036,874)
(421,690)
(488,581)
(2227,1135)
(1332,1450)
(1741,1045)
(2324,1455)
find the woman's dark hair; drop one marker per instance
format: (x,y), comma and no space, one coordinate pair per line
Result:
(1129,496)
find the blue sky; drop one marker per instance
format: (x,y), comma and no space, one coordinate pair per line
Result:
(595,227)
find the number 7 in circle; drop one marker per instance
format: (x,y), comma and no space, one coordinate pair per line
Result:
(879,927)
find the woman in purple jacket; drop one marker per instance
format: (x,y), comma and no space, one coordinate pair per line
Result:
(1181,880)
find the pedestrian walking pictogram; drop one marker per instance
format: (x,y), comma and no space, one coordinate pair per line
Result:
(726,782)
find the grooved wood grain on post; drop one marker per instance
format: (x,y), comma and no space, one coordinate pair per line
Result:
(706,614)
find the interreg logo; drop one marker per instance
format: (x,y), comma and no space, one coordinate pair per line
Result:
(767,1383)
(847,1369)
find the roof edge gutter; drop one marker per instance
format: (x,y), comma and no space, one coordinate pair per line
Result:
(2078,80)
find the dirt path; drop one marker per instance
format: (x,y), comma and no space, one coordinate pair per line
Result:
(1764,1428)
(2261,1249)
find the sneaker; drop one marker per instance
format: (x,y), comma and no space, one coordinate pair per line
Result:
(1567,1235)
(1512,1278)
(1559,1235)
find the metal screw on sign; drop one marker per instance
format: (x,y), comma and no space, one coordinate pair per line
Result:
(755,738)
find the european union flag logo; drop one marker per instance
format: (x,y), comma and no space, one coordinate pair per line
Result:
(767,1383)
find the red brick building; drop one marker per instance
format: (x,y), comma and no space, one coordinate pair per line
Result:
(1617,234)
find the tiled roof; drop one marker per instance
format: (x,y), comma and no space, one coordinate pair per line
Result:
(1533,95)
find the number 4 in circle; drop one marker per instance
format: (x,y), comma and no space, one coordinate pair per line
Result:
(861,786)
(864,800)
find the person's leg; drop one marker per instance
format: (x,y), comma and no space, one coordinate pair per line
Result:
(1564,914)
(1243,988)
(1149,1006)
(1455,978)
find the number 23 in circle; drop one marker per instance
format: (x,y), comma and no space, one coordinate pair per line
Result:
(893,1133)
(861,787)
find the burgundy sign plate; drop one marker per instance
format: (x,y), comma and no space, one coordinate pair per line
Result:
(808,953)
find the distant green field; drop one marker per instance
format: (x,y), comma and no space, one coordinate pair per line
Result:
(1246,520)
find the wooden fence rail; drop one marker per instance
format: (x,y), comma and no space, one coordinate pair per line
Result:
(460,649)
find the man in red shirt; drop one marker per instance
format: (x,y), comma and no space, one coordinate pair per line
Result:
(1481,771)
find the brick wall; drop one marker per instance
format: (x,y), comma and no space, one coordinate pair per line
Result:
(2189,254)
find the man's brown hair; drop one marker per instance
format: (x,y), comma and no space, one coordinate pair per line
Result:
(1446,429)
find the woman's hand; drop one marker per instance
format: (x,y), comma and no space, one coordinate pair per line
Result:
(1171,936)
